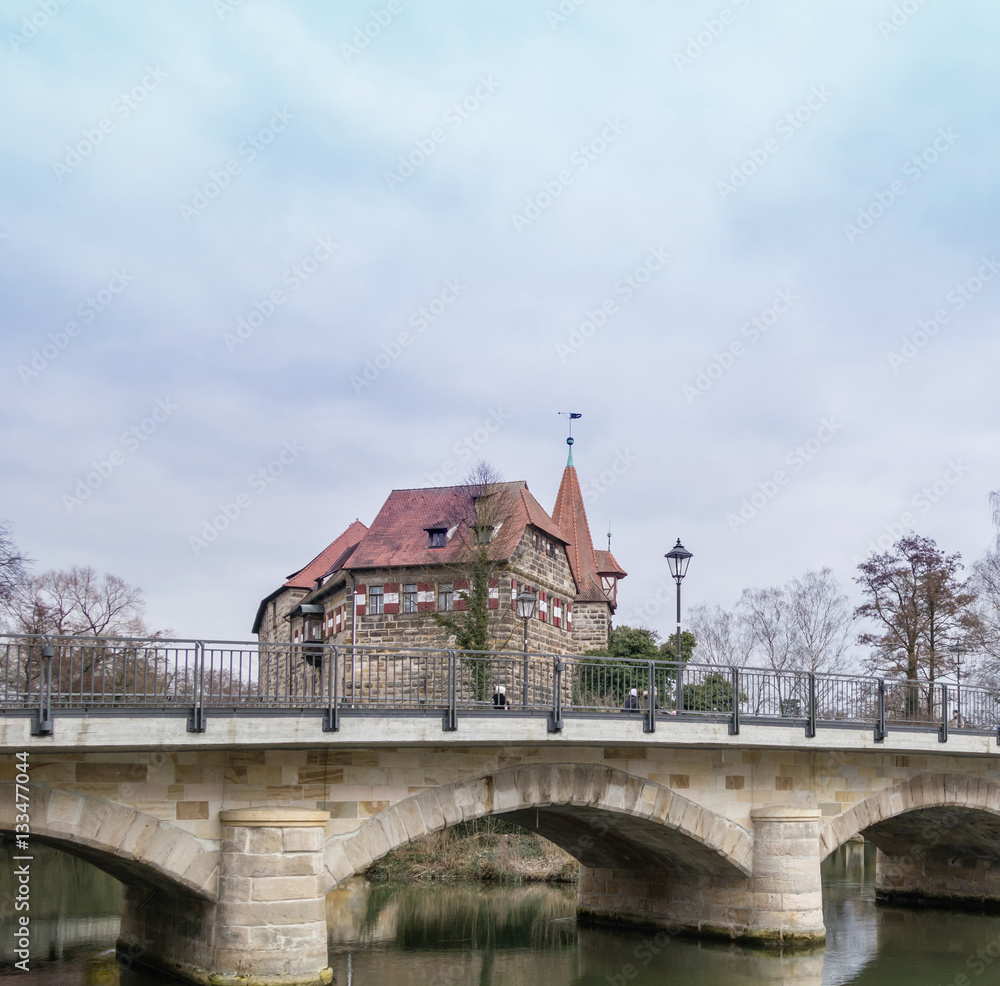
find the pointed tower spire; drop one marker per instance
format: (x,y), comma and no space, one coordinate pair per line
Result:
(571,518)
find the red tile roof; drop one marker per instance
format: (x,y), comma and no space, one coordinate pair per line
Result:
(326,560)
(398,535)
(606,564)
(571,516)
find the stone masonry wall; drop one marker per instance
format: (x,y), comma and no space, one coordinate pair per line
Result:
(190,788)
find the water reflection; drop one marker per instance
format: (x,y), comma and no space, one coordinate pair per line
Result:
(431,935)
(452,935)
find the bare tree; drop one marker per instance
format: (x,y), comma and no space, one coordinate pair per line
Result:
(768,616)
(986,583)
(722,635)
(804,625)
(918,605)
(821,614)
(479,562)
(76,602)
(82,605)
(13,565)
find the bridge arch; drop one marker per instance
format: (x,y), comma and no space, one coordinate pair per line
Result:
(136,848)
(604,817)
(922,797)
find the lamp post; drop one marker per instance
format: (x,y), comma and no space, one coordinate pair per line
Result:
(678,558)
(959,651)
(525,604)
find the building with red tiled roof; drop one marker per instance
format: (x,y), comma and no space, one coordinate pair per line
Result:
(383,584)
(272,620)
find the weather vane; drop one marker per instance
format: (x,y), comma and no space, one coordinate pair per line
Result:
(572,416)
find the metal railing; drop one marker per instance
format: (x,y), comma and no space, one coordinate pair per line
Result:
(45,677)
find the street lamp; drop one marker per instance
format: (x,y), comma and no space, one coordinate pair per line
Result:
(959,651)
(678,558)
(525,604)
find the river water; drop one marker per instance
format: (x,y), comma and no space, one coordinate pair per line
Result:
(434,935)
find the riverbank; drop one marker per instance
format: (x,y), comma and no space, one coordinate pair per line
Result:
(489,850)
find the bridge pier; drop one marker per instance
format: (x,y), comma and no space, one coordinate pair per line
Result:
(269,925)
(936,878)
(779,903)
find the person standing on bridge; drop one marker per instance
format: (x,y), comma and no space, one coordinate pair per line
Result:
(632,702)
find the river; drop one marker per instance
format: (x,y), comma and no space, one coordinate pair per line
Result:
(434,935)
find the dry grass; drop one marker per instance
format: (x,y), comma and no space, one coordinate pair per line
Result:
(490,850)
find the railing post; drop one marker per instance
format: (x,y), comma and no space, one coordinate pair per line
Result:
(734,684)
(555,720)
(196,721)
(42,725)
(880,722)
(811,723)
(649,726)
(943,731)
(331,718)
(450,723)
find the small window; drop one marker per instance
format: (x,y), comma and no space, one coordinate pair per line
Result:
(375,598)
(483,533)
(410,598)
(437,537)
(446,597)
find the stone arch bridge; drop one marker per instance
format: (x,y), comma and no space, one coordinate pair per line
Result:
(228,843)
(228,822)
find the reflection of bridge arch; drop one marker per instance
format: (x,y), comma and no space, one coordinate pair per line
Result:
(134,847)
(921,813)
(604,817)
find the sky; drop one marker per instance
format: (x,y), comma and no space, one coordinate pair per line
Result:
(261,263)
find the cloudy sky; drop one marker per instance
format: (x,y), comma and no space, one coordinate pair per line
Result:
(271,260)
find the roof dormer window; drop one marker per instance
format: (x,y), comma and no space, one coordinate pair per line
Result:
(437,537)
